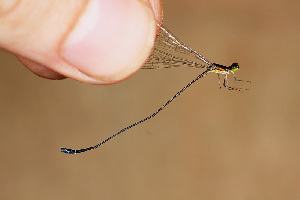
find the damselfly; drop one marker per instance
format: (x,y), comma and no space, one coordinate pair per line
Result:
(164,56)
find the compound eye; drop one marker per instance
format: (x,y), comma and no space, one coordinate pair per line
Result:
(234,67)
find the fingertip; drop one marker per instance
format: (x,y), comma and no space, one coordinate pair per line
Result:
(111,40)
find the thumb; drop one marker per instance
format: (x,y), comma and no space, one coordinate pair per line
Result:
(93,41)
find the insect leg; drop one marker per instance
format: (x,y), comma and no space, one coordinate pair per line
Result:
(238,79)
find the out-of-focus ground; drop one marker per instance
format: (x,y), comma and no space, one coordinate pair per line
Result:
(208,144)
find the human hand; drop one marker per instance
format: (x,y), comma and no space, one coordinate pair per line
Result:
(93,41)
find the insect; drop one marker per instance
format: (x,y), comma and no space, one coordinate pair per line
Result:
(163,56)
(220,69)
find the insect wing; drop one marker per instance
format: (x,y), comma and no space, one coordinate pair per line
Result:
(169,52)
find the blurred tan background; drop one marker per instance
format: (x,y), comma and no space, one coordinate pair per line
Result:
(208,144)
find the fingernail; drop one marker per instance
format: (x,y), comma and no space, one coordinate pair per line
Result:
(109,39)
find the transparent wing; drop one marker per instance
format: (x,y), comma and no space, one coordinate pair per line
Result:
(169,52)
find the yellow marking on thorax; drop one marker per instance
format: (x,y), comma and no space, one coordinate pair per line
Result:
(220,71)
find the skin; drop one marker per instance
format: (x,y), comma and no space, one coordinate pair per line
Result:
(92,41)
